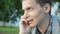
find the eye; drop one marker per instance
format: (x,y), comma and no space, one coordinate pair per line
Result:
(29,8)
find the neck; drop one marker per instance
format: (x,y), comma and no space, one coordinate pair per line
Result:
(42,28)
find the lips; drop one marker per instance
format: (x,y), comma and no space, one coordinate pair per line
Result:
(29,21)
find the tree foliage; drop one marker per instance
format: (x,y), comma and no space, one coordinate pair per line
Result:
(58,6)
(10,10)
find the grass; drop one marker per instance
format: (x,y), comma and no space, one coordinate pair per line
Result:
(9,30)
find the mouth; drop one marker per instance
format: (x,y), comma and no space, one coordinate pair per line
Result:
(29,21)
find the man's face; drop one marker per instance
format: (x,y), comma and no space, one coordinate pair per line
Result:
(34,12)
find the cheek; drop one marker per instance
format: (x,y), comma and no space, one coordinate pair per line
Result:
(38,15)
(34,14)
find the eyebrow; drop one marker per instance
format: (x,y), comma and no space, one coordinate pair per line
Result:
(26,8)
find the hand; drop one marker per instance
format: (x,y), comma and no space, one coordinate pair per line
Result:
(24,26)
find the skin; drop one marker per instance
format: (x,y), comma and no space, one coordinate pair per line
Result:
(34,15)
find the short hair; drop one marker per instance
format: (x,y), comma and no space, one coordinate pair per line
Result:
(43,2)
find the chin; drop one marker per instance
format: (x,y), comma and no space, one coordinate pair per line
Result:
(32,25)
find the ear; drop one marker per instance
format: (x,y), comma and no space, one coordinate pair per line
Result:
(47,8)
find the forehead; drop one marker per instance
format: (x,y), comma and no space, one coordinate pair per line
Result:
(28,3)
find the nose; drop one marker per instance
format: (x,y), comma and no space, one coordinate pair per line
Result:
(26,16)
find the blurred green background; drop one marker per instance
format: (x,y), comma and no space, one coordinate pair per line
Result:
(10,12)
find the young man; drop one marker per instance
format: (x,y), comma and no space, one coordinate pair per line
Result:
(37,18)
